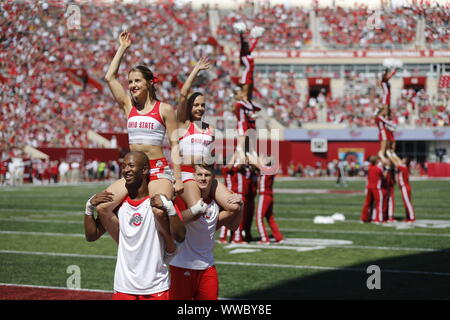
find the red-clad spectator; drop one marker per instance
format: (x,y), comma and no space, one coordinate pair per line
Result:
(374,194)
(46,103)
(405,188)
(243,179)
(388,193)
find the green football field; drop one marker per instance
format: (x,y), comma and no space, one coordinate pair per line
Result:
(41,235)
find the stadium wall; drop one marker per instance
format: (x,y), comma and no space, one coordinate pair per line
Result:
(300,152)
(357,143)
(81,154)
(289,152)
(233,4)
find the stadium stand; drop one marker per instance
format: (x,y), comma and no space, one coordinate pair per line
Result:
(51,86)
(348,28)
(286,27)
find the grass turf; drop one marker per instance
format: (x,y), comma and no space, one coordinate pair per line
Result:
(414,259)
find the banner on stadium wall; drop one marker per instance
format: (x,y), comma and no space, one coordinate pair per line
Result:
(351,54)
(367,134)
(414,81)
(444,81)
(352,155)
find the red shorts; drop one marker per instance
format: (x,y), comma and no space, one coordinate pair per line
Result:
(188,284)
(187,173)
(160,169)
(163,295)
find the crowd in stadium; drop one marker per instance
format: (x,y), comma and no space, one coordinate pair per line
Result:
(51,84)
(44,171)
(285,27)
(348,27)
(437,25)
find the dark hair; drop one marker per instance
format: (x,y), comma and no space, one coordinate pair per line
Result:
(206,166)
(190,104)
(148,76)
(407,161)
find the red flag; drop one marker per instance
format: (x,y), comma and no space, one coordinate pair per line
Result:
(81,77)
(235,80)
(71,73)
(444,82)
(212,41)
(3,79)
(96,84)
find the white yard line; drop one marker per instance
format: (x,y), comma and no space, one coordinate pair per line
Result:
(428,218)
(54,254)
(37,219)
(29,186)
(62,211)
(388,248)
(40,220)
(416,234)
(234,263)
(302,179)
(330,268)
(49,234)
(56,288)
(258,246)
(317,191)
(315,247)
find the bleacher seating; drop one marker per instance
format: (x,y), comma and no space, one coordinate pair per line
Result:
(51,86)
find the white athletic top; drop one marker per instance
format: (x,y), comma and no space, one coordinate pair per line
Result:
(197,142)
(146,128)
(196,251)
(140,268)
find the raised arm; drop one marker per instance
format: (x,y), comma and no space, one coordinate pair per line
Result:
(254,45)
(182,116)
(115,86)
(390,75)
